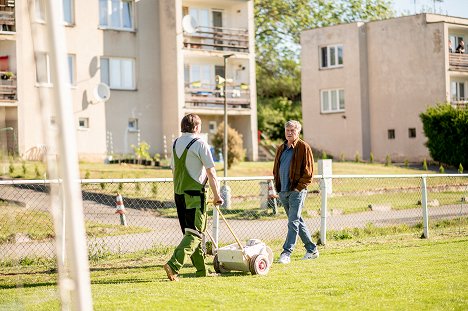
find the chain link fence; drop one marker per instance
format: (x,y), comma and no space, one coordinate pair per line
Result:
(335,209)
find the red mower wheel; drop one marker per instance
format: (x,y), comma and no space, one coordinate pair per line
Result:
(259,264)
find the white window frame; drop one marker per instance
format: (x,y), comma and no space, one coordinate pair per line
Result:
(203,73)
(39,11)
(121,80)
(212,127)
(68,12)
(133,125)
(71,59)
(106,18)
(457,88)
(83,123)
(43,76)
(332,53)
(332,100)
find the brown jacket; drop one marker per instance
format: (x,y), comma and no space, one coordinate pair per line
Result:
(301,169)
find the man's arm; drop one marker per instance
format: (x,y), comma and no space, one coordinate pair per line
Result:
(214,185)
(306,177)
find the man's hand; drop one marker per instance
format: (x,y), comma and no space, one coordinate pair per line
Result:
(218,200)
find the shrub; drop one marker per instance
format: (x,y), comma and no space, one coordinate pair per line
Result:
(235,151)
(342,158)
(24,168)
(371,158)
(441,169)
(142,151)
(388,160)
(445,128)
(87,174)
(460,169)
(357,157)
(324,155)
(424,165)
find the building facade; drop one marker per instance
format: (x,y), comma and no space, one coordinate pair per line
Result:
(158,63)
(365,84)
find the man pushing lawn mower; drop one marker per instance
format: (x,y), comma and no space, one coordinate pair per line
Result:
(192,166)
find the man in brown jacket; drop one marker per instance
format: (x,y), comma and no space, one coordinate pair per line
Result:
(292,171)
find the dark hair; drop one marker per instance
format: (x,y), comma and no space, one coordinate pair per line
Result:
(189,122)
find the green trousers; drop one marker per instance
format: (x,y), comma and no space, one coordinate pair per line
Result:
(190,246)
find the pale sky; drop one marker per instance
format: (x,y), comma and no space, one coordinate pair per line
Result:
(457,8)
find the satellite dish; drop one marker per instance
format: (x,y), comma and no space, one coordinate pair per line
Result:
(100,93)
(189,24)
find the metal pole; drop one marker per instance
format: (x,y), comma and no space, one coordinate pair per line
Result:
(424,207)
(76,248)
(225,149)
(323,211)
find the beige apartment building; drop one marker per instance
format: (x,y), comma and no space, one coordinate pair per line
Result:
(365,84)
(160,59)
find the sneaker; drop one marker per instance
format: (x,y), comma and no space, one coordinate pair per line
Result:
(311,255)
(171,275)
(284,258)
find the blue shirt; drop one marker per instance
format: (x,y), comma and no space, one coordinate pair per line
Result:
(285,163)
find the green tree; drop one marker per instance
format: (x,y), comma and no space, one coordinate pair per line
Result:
(235,151)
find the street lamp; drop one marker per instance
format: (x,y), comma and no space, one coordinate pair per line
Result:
(225,146)
(225,190)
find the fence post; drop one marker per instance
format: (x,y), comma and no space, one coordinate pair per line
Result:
(215,227)
(323,211)
(424,207)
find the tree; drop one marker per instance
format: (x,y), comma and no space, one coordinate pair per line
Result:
(278,25)
(235,151)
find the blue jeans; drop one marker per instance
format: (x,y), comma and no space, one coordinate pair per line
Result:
(293,202)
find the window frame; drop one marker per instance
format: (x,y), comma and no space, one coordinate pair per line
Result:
(391,134)
(412,132)
(42,59)
(71,11)
(71,60)
(335,49)
(109,17)
(106,77)
(85,125)
(340,105)
(135,128)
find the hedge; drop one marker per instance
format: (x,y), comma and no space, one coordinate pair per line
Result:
(446,128)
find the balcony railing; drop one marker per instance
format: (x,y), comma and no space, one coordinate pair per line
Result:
(218,38)
(7,16)
(458,62)
(209,96)
(459,102)
(7,87)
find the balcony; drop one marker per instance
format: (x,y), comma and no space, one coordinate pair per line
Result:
(7,87)
(7,16)
(218,39)
(458,62)
(460,102)
(210,96)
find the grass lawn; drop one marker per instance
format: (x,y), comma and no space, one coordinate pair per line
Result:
(409,273)
(36,170)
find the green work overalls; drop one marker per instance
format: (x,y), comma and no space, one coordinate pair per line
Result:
(191,210)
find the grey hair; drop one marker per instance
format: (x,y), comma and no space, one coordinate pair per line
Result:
(295,124)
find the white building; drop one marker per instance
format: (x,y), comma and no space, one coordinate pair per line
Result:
(365,84)
(157,71)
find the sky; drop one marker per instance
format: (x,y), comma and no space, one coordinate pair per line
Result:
(457,8)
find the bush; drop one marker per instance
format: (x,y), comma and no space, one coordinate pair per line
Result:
(235,151)
(445,128)
(424,165)
(357,157)
(324,155)
(388,160)
(460,169)
(441,169)
(371,158)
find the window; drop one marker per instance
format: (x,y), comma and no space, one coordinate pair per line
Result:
(391,134)
(457,90)
(202,74)
(83,123)
(212,127)
(133,124)
(412,132)
(118,73)
(331,56)
(43,68)
(71,68)
(68,12)
(116,14)
(332,101)
(39,10)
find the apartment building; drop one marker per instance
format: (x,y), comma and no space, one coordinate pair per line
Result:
(365,84)
(158,63)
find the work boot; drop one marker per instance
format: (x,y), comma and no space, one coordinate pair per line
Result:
(171,275)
